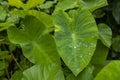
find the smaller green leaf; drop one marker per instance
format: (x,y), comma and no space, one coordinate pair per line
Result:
(28,5)
(94,4)
(98,13)
(47,5)
(116,10)
(33,3)
(110,71)
(99,57)
(16,3)
(116,43)
(100,54)
(2,14)
(66,4)
(43,17)
(105,34)
(43,72)
(17,75)
(86,74)
(11,20)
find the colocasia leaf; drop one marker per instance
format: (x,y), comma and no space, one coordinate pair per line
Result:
(94,4)
(41,72)
(37,45)
(110,71)
(75,37)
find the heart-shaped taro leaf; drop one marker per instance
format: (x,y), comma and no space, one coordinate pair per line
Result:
(37,45)
(75,37)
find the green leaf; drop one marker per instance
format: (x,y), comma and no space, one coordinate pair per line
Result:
(34,40)
(76,38)
(17,75)
(28,5)
(94,4)
(33,3)
(66,4)
(16,3)
(71,77)
(100,54)
(99,13)
(86,74)
(105,34)
(43,17)
(43,72)
(99,57)
(47,5)
(5,25)
(116,43)
(116,10)
(13,19)
(110,72)
(2,14)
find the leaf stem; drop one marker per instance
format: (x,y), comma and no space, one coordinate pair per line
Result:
(16,62)
(8,76)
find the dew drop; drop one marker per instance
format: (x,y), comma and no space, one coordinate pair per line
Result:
(75,47)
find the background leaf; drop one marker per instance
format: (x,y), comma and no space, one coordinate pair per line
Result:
(28,5)
(94,4)
(116,10)
(86,74)
(41,72)
(66,4)
(3,14)
(105,34)
(110,71)
(43,17)
(17,75)
(75,38)
(99,57)
(16,3)
(116,43)
(34,40)
(33,3)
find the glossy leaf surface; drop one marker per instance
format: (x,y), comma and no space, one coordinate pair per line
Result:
(34,40)
(76,38)
(41,72)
